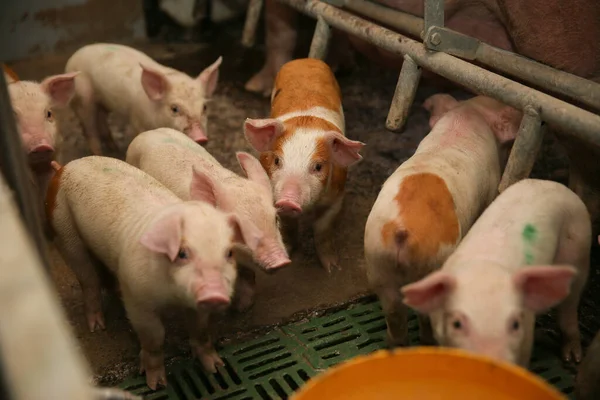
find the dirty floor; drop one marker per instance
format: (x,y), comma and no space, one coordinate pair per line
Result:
(367,91)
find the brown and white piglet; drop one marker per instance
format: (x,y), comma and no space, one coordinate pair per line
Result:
(117,78)
(164,251)
(34,107)
(305,152)
(528,252)
(429,203)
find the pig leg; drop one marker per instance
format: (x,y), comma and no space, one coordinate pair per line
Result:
(86,109)
(395,311)
(201,341)
(290,229)
(151,332)
(281,21)
(324,236)
(426,331)
(245,288)
(103,129)
(573,250)
(78,258)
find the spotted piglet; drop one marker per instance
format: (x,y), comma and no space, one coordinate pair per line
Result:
(117,78)
(164,251)
(428,204)
(528,252)
(305,152)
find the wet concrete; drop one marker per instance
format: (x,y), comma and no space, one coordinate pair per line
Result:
(367,91)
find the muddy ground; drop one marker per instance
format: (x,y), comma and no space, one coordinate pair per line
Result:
(367,91)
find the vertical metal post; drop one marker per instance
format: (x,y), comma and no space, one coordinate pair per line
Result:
(252,17)
(320,41)
(525,149)
(15,170)
(433,16)
(406,88)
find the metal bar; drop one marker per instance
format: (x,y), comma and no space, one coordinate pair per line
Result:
(406,89)
(433,16)
(571,119)
(17,173)
(572,86)
(252,17)
(320,41)
(525,149)
(39,354)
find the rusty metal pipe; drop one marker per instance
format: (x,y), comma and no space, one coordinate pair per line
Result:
(252,17)
(572,86)
(320,41)
(569,118)
(404,96)
(525,149)
(16,172)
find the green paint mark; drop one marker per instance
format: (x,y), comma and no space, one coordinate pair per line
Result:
(185,144)
(106,169)
(112,48)
(529,235)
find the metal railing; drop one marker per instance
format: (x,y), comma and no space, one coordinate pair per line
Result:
(440,53)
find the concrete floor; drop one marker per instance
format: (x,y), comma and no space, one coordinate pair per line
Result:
(367,91)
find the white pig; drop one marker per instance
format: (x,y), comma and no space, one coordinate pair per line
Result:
(305,151)
(429,203)
(528,252)
(164,251)
(34,107)
(169,156)
(117,78)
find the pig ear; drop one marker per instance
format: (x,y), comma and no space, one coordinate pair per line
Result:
(60,88)
(430,293)
(261,133)
(155,84)
(164,236)
(10,75)
(204,188)
(344,150)
(210,76)
(438,105)
(544,286)
(253,169)
(506,124)
(245,232)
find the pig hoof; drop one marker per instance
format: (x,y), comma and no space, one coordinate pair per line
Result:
(156,377)
(261,83)
(572,351)
(211,361)
(96,321)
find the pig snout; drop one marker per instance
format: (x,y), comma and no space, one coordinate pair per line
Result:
(210,291)
(41,153)
(289,199)
(197,134)
(273,257)
(496,351)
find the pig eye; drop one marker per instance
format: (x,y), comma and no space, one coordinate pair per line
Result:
(175,109)
(230,254)
(318,167)
(49,115)
(205,108)
(182,254)
(515,325)
(276,161)
(457,324)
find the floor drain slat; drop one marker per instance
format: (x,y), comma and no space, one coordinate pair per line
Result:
(277,364)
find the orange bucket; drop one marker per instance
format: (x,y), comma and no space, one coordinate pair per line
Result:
(426,373)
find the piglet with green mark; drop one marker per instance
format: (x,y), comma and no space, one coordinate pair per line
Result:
(528,252)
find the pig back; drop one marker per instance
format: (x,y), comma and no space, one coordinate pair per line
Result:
(108,201)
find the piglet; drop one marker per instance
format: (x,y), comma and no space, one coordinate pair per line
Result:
(428,204)
(34,107)
(163,250)
(528,252)
(117,78)
(304,151)
(587,382)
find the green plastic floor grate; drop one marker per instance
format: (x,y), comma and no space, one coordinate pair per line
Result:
(277,364)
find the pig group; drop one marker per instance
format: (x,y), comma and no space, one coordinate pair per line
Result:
(177,228)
